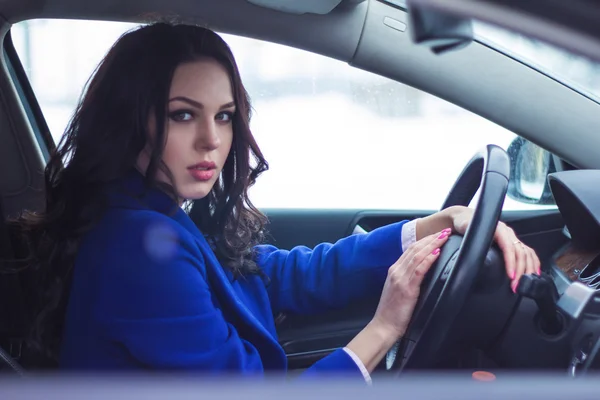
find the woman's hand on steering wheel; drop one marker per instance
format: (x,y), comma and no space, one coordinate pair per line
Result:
(519,258)
(403,284)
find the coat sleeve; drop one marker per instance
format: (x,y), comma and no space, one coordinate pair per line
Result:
(338,364)
(305,281)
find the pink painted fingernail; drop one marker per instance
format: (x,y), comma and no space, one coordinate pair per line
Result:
(436,252)
(447,230)
(539,271)
(512,275)
(444,235)
(514,286)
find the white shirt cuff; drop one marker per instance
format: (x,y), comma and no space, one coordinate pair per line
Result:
(409,234)
(360,365)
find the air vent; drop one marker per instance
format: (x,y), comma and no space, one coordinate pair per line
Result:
(590,275)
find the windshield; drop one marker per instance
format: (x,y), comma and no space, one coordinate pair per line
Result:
(579,73)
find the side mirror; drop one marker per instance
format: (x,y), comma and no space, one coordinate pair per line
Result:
(529,169)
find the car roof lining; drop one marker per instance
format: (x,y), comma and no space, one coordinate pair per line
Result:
(335,34)
(354,33)
(302,6)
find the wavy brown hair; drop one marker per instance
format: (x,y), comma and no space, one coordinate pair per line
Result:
(101,144)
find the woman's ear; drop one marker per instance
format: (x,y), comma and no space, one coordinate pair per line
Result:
(143,160)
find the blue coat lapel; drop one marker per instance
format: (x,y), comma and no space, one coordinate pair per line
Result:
(226,295)
(132,193)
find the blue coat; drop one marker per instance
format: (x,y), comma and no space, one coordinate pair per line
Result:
(149,293)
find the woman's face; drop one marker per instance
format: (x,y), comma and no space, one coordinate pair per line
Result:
(199,128)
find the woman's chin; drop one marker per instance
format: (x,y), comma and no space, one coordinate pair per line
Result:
(196,192)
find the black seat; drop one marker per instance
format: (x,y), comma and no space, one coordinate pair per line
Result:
(11,304)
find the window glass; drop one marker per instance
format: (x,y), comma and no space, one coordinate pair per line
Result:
(334,136)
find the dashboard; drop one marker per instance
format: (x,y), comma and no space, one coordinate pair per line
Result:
(575,270)
(576,263)
(578,200)
(555,323)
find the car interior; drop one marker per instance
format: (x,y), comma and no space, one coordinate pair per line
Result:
(467,317)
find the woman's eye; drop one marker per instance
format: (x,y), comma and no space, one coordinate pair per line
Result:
(181,115)
(224,116)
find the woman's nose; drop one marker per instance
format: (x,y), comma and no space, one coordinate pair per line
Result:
(208,136)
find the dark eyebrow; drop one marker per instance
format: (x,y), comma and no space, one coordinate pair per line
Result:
(196,104)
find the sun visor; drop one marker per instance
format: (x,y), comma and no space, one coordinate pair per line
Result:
(299,6)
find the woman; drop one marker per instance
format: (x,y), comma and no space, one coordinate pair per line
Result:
(131,282)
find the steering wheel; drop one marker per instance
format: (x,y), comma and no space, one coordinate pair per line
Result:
(452,278)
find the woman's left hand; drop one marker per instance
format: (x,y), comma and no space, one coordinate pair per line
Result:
(519,258)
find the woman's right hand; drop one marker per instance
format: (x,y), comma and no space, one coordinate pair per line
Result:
(398,299)
(403,284)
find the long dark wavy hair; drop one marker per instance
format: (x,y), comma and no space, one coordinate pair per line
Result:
(101,144)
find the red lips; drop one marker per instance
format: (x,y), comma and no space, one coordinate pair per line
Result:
(203,171)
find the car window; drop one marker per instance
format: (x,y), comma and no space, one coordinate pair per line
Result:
(335,137)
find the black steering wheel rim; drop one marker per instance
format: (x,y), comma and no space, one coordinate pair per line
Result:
(456,270)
